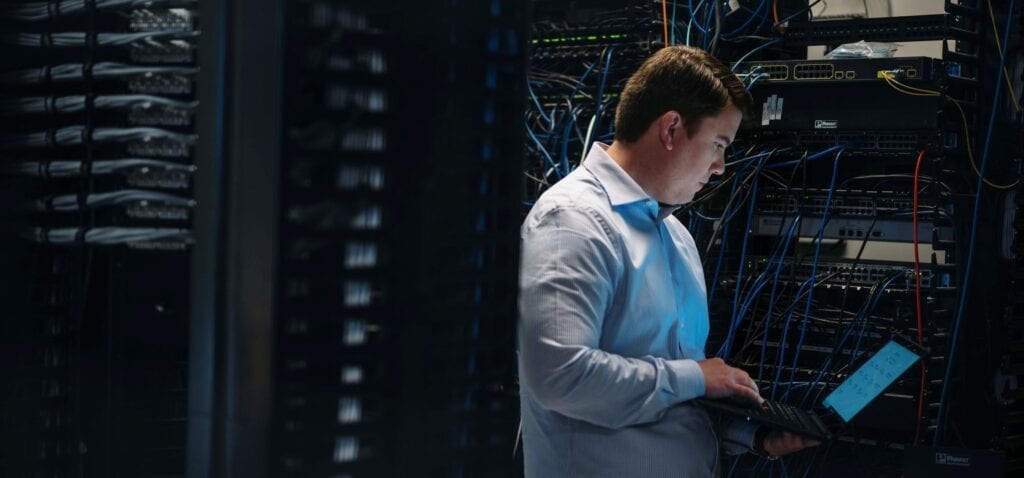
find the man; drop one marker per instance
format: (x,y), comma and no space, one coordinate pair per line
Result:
(613,306)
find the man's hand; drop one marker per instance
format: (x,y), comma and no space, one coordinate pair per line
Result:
(779,443)
(722,381)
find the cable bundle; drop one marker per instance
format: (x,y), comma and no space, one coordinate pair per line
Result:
(64,169)
(73,202)
(79,71)
(107,235)
(73,104)
(79,39)
(76,135)
(49,10)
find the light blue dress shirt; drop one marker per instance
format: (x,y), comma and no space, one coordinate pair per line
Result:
(613,319)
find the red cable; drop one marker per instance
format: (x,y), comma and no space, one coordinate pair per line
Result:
(917,295)
(664,24)
(775,14)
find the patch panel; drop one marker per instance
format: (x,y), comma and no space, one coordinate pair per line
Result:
(863,274)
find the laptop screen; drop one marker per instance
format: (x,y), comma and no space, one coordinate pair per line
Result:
(870,380)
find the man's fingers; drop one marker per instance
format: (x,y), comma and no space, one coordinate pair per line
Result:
(747,392)
(784,443)
(753,386)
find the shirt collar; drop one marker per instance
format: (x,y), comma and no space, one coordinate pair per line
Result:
(620,187)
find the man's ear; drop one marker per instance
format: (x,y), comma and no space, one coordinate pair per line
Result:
(670,125)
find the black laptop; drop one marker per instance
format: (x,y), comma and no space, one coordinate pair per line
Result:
(847,400)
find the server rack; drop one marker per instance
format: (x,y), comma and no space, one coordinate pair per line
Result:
(367,229)
(323,282)
(98,127)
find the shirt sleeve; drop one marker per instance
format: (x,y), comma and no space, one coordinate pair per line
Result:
(567,280)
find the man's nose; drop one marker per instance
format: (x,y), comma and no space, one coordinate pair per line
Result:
(718,166)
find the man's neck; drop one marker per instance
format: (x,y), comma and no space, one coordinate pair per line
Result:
(636,160)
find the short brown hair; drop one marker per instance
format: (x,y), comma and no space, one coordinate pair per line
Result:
(681,78)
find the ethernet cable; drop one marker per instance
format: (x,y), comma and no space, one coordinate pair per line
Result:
(49,10)
(11,106)
(72,202)
(107,235)
(75,135)
(68,72)
(64,169)
(79,39)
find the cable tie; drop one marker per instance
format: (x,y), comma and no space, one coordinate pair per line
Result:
(44,235)
(49,104)
(80,235)
(90,102)
(46,40)
(51,139)
(90,39)
(47,75)
(90,6)
(43,169)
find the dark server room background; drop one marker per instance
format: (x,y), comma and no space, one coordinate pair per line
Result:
(280,238)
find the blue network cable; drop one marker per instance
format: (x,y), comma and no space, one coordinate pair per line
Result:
(864,324)
(755,50)
(781,354)
(771,297)
(810,280)
(756,156)
(564,157)
(543,150)
(689,25)
(672,40)
(693,14)
(753,15)
(599,110)
(762,279)
(721,250)
(734,322)
(758,77)
(708,17)
(814,265)
(583,77)
(819,154)
(862,315)
(965,285)
(537,103)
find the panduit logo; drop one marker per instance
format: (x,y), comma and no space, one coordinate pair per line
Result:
(826,124)
(952,460)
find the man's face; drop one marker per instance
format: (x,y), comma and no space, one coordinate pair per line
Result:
(698,157)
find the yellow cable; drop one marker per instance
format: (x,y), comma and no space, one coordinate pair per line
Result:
(970,152)
(1006,74)
(890,78)
(910,90)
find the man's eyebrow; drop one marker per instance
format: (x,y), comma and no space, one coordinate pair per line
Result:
(726,139)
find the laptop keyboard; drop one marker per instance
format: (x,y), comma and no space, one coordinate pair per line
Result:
(779,415)
(788,413)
